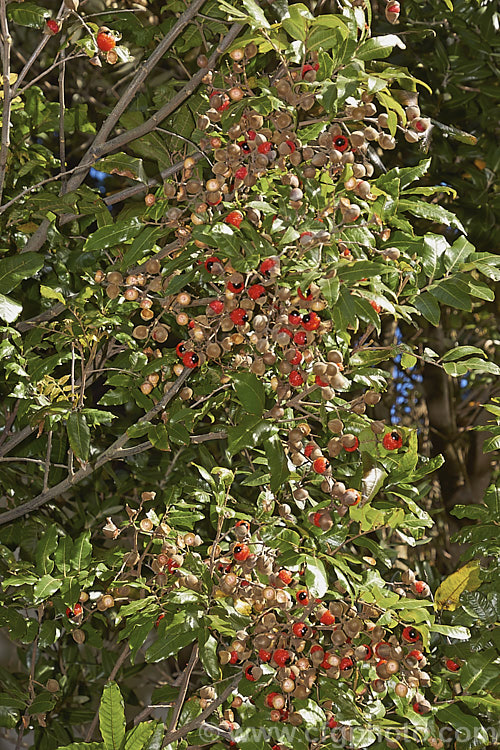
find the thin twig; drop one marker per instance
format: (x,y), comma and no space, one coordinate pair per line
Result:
(47,462)
(9,422)
(62,13)
(22,459)
(177,708)
(48,70)
(7,100)
(110,454)
(62,110)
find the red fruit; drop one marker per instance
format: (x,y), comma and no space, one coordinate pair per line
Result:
(172,565)
(419,586)
(306,69)
(285,576)
(266,266)
(452,665)
(270,698)
(332,723)
(311,321)
(234,218)
(369,653)
(241,552)
(248,673)
(241,173)
(105,41)
(209,263)
(309,449)
(264,148)
(375,306)
(327,618)
(295,379)
(321,383)
(411,635)
(160,618)
(393,8)
(234,657)
(418,708)
(341,143)
(180,349)
(354,447)
(264,655)
(320,465)
(239,316)
(300,338)
(418,655)
(291,145)
(255,291)
(52,26)
(190,359)
(235,288)
(280,657)
(297,358)
(251,135)
(75,612)
(294,318)
(286,330)
(243,523)
(392,441)
(299,629)
(225,102)
(307,295)
(325,664)
(302,597)
(316,519)
(217,306)
(346,663)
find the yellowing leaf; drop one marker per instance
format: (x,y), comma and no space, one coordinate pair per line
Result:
(243,608)
(465,578)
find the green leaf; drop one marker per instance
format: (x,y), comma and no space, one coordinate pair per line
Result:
(28,14)
(49,293)
(248,433)
(457,254)
(461,351)
(327,37)
(78,435)
(250,392)
(158,435)
(45,587)
(174,638)
(112,717)
(451,631)
(16,268)
(46,546)
(468,728)
(491,444)
(453,292)
(10,309)
(81,552)
(178,282)
(434,247)
(277,461)
(82,746)
(113,234)
(297,22)
(208,654)
(430,211)
(428,307)
(122,165)
(62,557)
(138,737)
(330,288)
(141,246)
(379,46)
(316,577)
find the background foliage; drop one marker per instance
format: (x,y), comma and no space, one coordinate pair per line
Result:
(92,423)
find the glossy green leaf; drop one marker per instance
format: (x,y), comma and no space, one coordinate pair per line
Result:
(250,392)
(16,268)
(379,46)
(10,309)
(45,587)
(112,235)
(316,577)
(28,14)
(277,461)
(78,435)
(112,717)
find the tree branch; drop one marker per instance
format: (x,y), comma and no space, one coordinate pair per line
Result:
(208,711)
(110,454)
(177,708)
(97,151)
(7,100)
